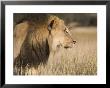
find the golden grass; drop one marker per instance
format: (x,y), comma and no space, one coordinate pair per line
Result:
(79,60)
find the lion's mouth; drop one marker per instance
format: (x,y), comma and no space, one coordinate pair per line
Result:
(70,45)
(66,47)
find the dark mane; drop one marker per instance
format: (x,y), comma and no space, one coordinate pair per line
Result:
(32,52)
(33,55)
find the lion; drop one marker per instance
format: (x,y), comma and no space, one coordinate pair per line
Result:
(37,36)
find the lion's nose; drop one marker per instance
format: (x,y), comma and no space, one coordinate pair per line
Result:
(74,42)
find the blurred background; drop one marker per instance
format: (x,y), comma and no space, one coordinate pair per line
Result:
(82,19)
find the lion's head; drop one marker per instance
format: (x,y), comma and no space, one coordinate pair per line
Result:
(59,34)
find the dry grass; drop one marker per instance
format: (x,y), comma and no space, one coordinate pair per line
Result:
(79,60)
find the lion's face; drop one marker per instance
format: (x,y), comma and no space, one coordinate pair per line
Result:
(60,35)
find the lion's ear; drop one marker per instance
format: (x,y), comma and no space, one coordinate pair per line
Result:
(50,26)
